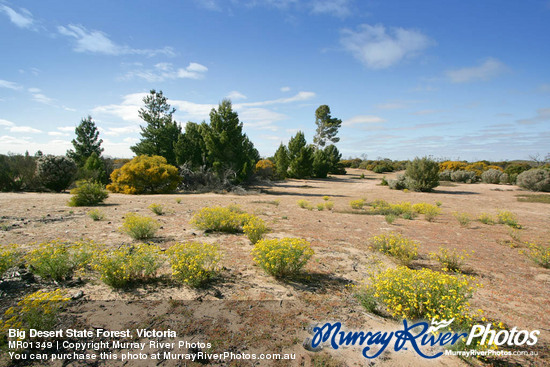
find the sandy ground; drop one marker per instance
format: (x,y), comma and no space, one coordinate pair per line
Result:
(516,291)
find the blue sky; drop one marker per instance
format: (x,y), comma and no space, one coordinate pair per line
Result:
(452,79)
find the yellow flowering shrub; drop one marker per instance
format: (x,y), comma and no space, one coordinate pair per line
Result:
(422,294)
(450,259)
(254,228)
(462,218)
(145,175)
(395,245)
(329,205)
(357,204)
(265,168)
(58,260)
(430,211)
(486,218)
(452,166)
(139,227)
(158,209)
(304,204)
(194,263)
(96,215)
(9,257)
(38,310)
(508,218)
(282,257)
(127,264)
(539,254)
(218,219)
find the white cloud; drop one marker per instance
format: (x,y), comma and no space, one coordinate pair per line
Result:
(41,98)
(98,42)
(260,118)
(543,115)
(117,131)
(489,69)
(285,89)
(10,85)
(166,71)
(67,129)
(57,133)
(233,95)
(22,20)
(6,123)
(300,96)
(378,48)
(24,129)
(339,8)
(391,106)
(362,119)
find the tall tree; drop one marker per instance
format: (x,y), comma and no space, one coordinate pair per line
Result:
(87,142)
(300,157)
(191,148)
(327,127)
(162,132)
(281,162)
(228,147)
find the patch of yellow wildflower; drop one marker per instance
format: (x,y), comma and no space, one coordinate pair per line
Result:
(194,263)
(282,257)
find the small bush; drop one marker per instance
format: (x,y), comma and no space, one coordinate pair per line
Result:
(59,260)
(326,198)
(492,176)
(539,254)
(304,204)
(445,175)
(158,209)
(55,172)
(218,219)
(508,218)
(395,245)
(321,207)
(422,174)
(9,257)
(88,193)
(194,263)
(462,218)
(390,218)
(463,176)
(265,168)
(282,257)
(534,180)
(430,211)
(145,175)
(422,294)
(38,310)
(384,182)
(486,218)
(400,183)
(357,204)
(329,205)
(128,264)
(139,227)
(450,259)
(254,228)
(96,215)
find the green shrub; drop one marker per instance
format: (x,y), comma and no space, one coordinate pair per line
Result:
(534,180)
(493,176)
(539,254)
(462,218)
(463,176)
(450,259)
(400,183)
(304,204)
(486,218)
(96,215)
(422,174)
(17,172)
(321,206)
(384,182)
(395,245)
(445,175)
(55,172)
(390,218)
(194,263)
(88,193)
(430,211)
(158,209)
(329,205)
(282,257)
(10,256)
(422,294)
(145,175)
(139,227)
(59,260)
(128,264)
(254,228)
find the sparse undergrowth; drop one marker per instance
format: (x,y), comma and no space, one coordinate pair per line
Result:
(395,245)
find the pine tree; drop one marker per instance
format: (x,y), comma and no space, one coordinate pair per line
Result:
(281,162)
(327,127)
(227,146)
(87,142)
(300,157)
(161,134)
(191,148)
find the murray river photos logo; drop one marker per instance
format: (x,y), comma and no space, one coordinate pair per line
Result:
(418,336)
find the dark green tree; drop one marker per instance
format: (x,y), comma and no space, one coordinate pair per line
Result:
(87,142)
(161,133)
(327,127)
(300,157)
(227,146)
(321,164)
(334,156)
(190,148)
(94,169)
(281,162)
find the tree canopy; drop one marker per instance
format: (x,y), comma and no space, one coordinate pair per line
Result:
(327,127)
(87,142)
